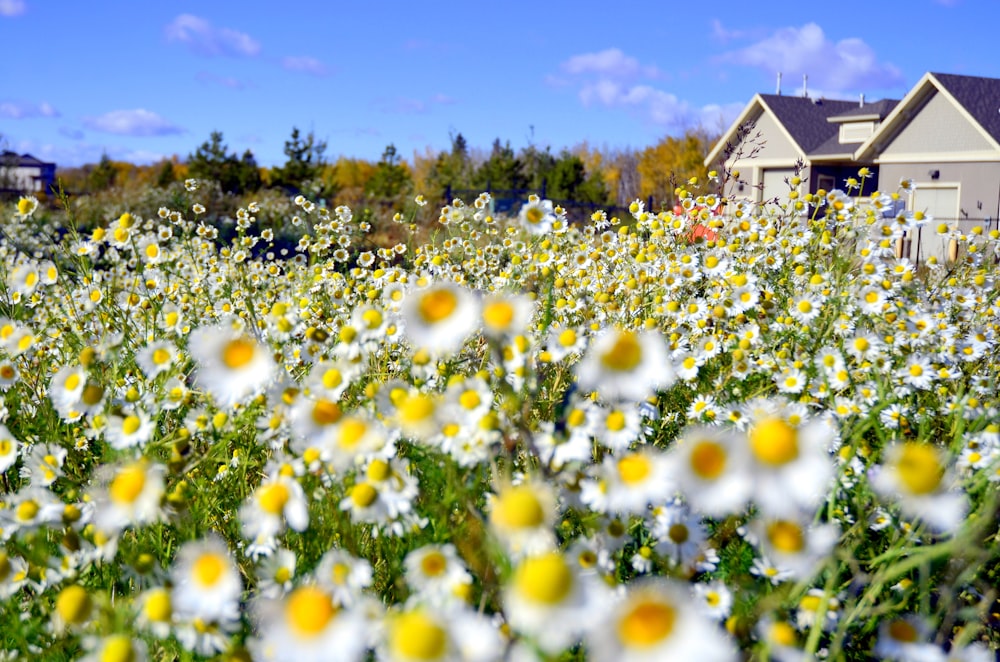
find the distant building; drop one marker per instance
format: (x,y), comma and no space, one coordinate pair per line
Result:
(944,135)
(23,173)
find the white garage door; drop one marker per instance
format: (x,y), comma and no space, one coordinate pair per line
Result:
(941,203)
(774,184)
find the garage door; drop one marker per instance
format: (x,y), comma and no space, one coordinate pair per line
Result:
(941,203)
(774,184)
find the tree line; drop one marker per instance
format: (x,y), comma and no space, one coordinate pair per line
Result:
(582,173)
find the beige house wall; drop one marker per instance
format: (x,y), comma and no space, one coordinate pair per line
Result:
(979,193)
(937,127)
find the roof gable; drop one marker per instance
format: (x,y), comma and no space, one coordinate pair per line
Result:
(804,121)
(972,97)
(980,97)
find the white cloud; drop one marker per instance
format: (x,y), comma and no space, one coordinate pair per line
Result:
(612,79)
(610,62)
(12,7)
(138,122)
(306,65)
(203,38)
(16,110)
(845,66)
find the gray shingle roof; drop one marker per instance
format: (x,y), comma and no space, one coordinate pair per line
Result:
(805,119)
(979,96)
(880,108)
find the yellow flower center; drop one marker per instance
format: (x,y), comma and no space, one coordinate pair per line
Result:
(72,381)
(498,315)
(131,424)
(378,470)
(433,564)
(308,611)
(437,305)
(416,408)
(332,378)
(325,412)
(25,206)
(545,579)
(363,495)
(534,215)
(646,624)
(678,533)
(238,353)
(118,648)
(470,399)
(567,338)
(635,468)
(273,497)
(708,460)
(615,421)
(340,573)
(904,631)
(352,430)
(774,442)
(158,607)
(415,636)
(625,355)
(161,356)
(782,634)
(785,536)
(92,394)
(127,484)
(919,468)
(26,510)
(518,508)
(208,569)
(73,604)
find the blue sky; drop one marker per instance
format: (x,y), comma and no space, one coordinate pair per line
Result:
(144,80)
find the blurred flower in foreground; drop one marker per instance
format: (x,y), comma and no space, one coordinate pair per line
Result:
(625,366)
(231,365)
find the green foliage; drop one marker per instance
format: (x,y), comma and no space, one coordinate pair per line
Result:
(213,162)
(103,176)
(391,178)
(502,170)
(304,163)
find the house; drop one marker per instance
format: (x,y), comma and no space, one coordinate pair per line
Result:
(23,173)
(944,136)
(819,136)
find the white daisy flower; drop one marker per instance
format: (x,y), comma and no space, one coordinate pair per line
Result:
(132,497)
(625,366)
(207,584)
(231,366)
(549,601)
(917,476)
(308,626)
(279,500)
(440,318)
(659,620)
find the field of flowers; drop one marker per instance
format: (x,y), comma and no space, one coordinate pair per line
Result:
(521,439)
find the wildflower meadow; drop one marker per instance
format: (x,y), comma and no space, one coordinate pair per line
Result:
(723,431)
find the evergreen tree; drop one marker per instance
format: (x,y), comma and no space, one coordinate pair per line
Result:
(502,171)
(391,177)
(103,176)
(213,161)
(166,175)
(304,163)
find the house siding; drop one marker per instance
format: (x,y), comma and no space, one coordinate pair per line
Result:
(979,195)
(937,127)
